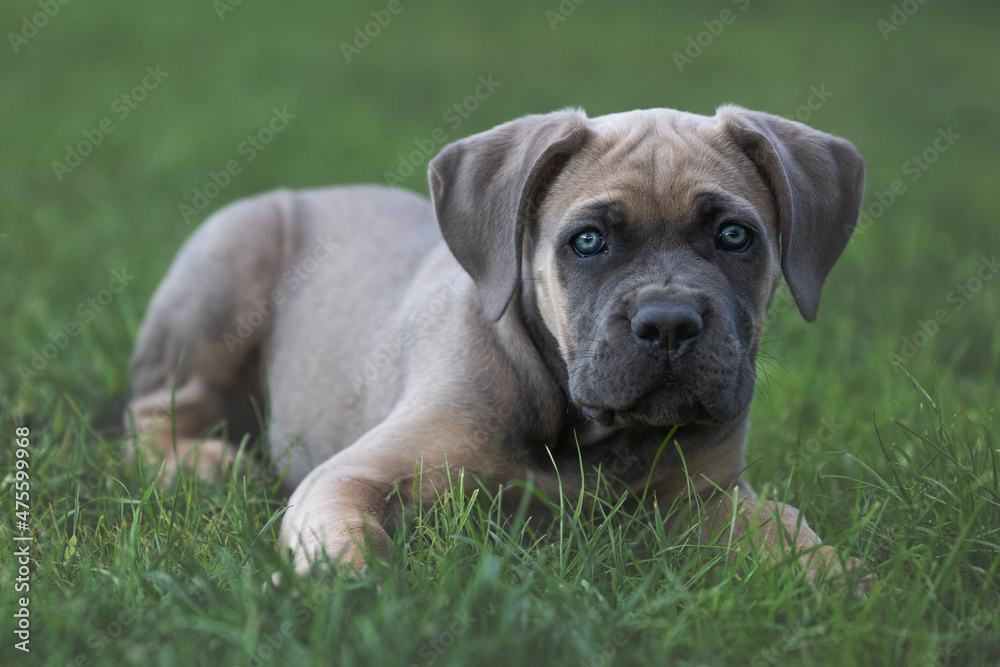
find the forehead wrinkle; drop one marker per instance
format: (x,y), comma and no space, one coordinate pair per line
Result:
(654,166)
(623,152)
(619,145)
(695,167)
(568,187)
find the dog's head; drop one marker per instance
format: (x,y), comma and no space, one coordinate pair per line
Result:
(653,242)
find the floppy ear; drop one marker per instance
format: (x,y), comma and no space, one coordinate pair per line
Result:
(484,188)
(817,181)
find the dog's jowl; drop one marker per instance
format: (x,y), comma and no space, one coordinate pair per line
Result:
(576,286)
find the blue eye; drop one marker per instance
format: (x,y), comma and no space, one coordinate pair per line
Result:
(735,238)
(588,243)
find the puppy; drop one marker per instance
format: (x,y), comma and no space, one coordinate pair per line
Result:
(576,289)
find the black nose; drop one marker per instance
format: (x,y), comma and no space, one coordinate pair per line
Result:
(667,325)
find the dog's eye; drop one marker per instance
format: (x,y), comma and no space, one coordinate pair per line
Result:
(588,243)
(735,238)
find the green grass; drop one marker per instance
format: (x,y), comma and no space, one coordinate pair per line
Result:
(902,478)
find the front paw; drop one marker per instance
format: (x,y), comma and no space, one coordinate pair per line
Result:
(824,561)
(308,550)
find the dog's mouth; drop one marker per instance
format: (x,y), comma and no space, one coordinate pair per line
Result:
(659,407)
(602,416)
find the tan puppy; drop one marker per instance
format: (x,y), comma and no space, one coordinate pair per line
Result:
(579,286)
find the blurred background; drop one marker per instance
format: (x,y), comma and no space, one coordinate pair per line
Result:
(125,124)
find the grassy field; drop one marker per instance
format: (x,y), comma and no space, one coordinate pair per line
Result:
(115,116)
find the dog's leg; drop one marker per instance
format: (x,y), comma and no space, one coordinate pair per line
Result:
(198,339)
(729,509)
(348,499)
(774,529)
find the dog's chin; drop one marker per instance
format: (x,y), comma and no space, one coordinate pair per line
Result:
(659,408)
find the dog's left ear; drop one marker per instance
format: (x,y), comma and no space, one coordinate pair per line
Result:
(817,181)
(485,190)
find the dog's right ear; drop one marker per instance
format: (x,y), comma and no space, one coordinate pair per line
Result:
(484,189)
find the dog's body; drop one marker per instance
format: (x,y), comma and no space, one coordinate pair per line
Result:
(578,288)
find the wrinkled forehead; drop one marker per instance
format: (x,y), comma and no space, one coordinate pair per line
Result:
(658,165)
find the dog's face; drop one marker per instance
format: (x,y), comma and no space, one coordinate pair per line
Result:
(654,242)
(654,258)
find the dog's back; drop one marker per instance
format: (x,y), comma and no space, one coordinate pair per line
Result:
(208,338)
